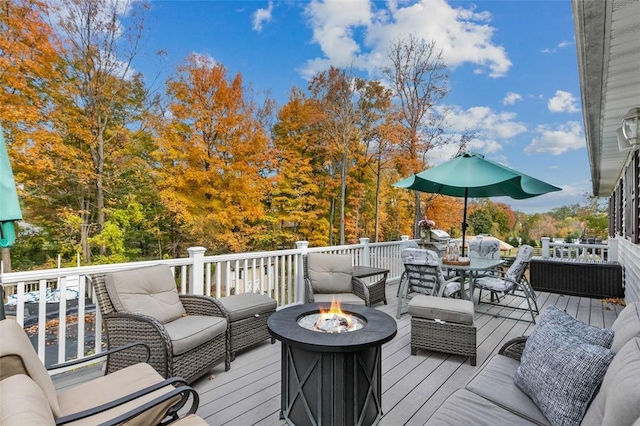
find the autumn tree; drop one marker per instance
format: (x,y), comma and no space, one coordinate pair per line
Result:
(298,204)
(418,76)
(213,158)
(29,69)
(334,90)
(103,97)
(376,130)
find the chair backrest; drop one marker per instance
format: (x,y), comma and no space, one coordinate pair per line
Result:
(484,249)
(408,244)
(17,356)
(520,264)
(150,290)
(423,270)
(329,273)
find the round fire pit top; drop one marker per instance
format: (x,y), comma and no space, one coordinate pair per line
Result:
(379,328)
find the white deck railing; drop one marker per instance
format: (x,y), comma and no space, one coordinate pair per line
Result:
(59,327)
(607,250)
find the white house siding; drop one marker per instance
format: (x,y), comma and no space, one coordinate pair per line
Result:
(629,256)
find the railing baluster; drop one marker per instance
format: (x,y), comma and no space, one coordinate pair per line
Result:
(62,319)
(81,313)
(42,320)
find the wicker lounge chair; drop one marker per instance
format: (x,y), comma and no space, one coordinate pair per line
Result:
(28,395)
(187,334)
(423,275)
(513,282)
(329,276)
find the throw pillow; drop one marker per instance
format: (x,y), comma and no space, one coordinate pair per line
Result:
(589,333)
(561,373)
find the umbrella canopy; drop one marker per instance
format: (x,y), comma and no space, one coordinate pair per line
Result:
(471,175)
(9,206)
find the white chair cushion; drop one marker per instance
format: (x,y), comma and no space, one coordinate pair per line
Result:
(149,291)
(330,273)
(494,284)
(484,249)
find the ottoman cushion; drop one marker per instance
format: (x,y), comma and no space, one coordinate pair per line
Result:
(240,306)
(442,308)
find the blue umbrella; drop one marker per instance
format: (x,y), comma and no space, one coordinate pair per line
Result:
(9,205)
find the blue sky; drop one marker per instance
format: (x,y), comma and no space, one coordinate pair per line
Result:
(513,66)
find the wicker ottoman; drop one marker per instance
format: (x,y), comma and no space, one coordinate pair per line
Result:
(444,325)
(248,315)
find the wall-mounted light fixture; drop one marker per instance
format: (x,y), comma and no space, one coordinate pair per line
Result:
(631,127)
(623,143)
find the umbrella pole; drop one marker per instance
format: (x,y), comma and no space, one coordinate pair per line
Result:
(464,219)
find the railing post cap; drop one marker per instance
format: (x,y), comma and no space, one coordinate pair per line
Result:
(196,250)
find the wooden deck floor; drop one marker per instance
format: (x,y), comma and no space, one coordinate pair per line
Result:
(413,386)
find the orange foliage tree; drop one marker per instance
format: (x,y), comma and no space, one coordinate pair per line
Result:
(213,158)
(299,209)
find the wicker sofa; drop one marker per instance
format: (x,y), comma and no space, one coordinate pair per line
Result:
(492,398)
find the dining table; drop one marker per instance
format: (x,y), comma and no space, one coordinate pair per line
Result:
(472,269)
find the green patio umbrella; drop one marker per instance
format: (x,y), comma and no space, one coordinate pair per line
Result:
(9,205)
(471,175)
(9,208)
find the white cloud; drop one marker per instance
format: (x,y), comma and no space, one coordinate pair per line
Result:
(563,102)
(561,45)
(204,60)
(357,33)
(564,138)
(511,98)
(262,15)
(488,123)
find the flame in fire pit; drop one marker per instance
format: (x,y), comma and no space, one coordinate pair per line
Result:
(334,320)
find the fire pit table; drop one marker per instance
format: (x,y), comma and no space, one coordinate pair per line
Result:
(331,378)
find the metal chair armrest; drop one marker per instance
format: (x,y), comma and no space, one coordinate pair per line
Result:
(117,402)
(172,413)
(100,355)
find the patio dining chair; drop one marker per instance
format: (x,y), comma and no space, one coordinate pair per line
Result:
(423,275)
(484,249)
(330,277)
(512,282)
(481,248)
(187,334)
